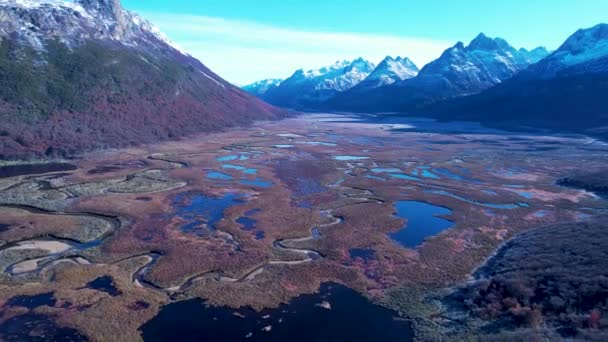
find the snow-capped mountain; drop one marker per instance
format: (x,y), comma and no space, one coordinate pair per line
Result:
(92,74)
(260,88)
(586,51)
(536,54)
(305,89)
(74,22)
(565,91)
(462,70)
(389,71)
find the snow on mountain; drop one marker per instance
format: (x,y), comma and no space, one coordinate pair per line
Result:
(73,22)
(586,51)
(535,55)
(91,74)
(389,71)
(565,91)
(306,88)
(462,70)
(262,87)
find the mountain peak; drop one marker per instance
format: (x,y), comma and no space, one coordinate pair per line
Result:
(585,51)
(103,6)
(483,42)
(389,71)
(585,39)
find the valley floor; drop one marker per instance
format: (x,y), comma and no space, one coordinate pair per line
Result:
(259,216)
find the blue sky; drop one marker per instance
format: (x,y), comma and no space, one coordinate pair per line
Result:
(246,40)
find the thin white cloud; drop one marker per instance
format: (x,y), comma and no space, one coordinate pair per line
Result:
(243,52)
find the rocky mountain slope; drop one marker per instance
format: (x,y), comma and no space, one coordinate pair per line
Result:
(260,88)
(306,89)
(567,90)
(89,74)
(389,71)
(461,70)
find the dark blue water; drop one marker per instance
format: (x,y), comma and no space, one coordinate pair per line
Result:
(454,176)
(250,224)
(33,169)
(422,222)
(202,212)
(246,222)
(105,284)
(218,175)
(351,317)
(258,182)
(37,328)
(32,326)
(33,301)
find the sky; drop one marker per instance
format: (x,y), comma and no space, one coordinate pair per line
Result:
(245,40)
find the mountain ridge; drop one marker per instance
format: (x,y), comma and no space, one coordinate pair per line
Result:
(459,71)
(564,91)
(306,89)
(88,74)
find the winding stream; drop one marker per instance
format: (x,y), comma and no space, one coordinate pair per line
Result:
(62,249)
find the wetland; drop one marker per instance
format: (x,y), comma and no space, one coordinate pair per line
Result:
(274,228)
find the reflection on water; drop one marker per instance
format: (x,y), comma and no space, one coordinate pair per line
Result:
(349,158)
(336,313)
(218,175)
(258,182)
(201,213)
(422,222)
(32,169)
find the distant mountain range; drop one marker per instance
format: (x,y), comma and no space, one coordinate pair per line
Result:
(87,74)
(566,90)
(398,83)
(307,89)
(389,71)
(492,82)
(260,88)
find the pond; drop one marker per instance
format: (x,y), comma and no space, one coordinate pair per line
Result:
(201,213)
(454,176)
(336,313)
(422,222)
(424,171)
(240,168)
(232,157)
(104,284)
(218,175)
(385,170)
(33,169)
(258,182)
(349,158)
(404,176)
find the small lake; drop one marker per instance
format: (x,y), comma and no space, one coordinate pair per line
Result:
(336,313)
(249,171)
(422,222)
(34,169)
(218,175)
(201,213)
(350,158)
(404,176)
(258,182)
